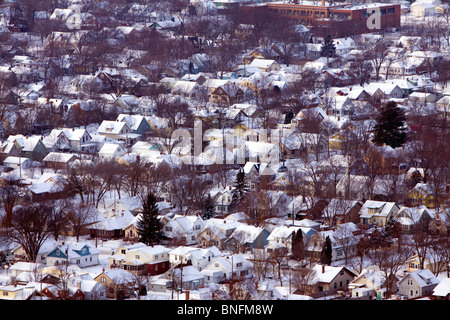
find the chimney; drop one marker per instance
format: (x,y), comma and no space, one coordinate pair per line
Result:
(323,3)
(323,268)
(187,294)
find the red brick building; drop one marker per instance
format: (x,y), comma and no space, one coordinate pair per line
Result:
(336,18)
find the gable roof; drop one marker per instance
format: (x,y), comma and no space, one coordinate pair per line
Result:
(327,274)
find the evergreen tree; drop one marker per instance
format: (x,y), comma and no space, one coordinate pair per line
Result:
(390,126)
(288,117)
(327,251)
(298,247)
(240,186)
(328,48)
(149,227)
(208,208)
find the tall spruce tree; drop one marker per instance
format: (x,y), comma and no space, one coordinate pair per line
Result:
(208,208)
(298,247)
(390,126)
(149,227)
(328,48)
(327,251)
(240,186)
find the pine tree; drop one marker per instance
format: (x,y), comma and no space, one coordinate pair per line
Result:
(298,247)
(240,186)
(327,251)
(328,48)
(208,208)
(149,227)
(390,126)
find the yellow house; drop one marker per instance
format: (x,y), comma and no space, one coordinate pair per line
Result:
(117,282)
(266,65)
(377,212)
(11,292)
(413,264)
(336,141)
(255,54)
(421,195)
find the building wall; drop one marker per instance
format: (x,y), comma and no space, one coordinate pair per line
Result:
(352,21)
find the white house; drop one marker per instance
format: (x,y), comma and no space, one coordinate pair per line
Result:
(224,268)
(197,257)
(110,151)
(82,254)
(422,10)
(184,228)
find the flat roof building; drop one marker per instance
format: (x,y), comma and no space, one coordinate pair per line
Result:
(337,19)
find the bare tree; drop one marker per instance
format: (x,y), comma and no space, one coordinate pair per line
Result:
(30,227)
(390,260)
(79,216)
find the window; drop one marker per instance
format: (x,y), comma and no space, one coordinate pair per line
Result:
(391,10)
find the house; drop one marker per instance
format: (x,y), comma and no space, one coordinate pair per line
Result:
(69,139)
(142,260)
(137,123)
(82,254)
(298,144)
(197,257)
(340,211)
(421,194)
(216,232)
(113,226)
(369,284)
(186,278)
(246,238)
(414,218)
(421,10)
(422,97)
(281,237)
(265,65)
(252,55)
(190,90)
(182,229)
(59,160)
(117,282)
(227,93)
(442,290)
(17,163)
(328,280)
(431,261)
(383,91)
(417,284)
(234,266)
(119,131)
(111,151)
(17,257)
(8,148)
(224,202)
(45,189)
(91,289)
(440,224)
(343,241)
(342,106)
(377,212)
(30,147)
